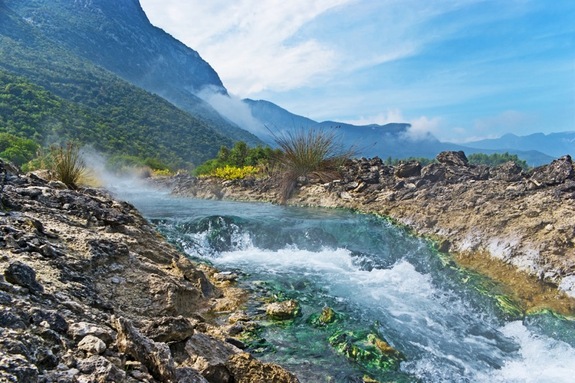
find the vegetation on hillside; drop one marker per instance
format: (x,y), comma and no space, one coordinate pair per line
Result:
(238,162)
(396,161)
(17,150)
(495,159)
(51,95)
(313,153)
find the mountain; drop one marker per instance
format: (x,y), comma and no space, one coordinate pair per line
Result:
(118,36)
(50,93)
(395,140)
(132,89)
(553,144)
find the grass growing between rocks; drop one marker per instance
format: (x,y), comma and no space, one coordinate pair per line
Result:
(67,164)
(312,153)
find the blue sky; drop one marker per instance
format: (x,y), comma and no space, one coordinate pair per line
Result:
(463,70)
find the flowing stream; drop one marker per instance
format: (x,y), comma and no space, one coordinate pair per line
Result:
(445,323)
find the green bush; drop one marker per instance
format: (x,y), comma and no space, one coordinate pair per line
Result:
(238,156)
(16,149)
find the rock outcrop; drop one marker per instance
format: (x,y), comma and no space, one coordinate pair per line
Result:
(89,292)
(525,219)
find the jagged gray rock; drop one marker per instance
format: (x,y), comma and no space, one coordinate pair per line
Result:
(90,293)
(23,275)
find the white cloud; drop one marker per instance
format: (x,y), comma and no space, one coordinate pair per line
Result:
(251,43)
(283,45)
(391,115)
(444,63)
(234,109)
(420,128)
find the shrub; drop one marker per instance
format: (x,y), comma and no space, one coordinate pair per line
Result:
(234,172)
(314,152)
(239,156)
(67,163)
(16,149)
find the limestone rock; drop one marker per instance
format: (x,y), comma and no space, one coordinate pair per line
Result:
(92,344)
(51,318)
(60,252)
(450,158)
(509,171)
(246,369)
(23,275)
(155,356)
(170,329)
(283,310)
(408,169)
(80,330)
(210,356)
(99,369)
(557,172)
(15,368)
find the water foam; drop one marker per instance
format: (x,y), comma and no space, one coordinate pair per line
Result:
(542,359)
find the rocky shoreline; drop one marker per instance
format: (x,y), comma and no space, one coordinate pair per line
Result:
(89,292)
(517,227)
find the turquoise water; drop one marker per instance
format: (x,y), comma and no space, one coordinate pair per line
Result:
(444,322)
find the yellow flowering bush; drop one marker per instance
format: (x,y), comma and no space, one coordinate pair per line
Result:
(234,172)
(162,172)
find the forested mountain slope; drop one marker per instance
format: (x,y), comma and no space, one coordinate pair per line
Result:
(89,103)
(118,36)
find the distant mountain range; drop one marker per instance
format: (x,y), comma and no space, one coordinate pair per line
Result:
(553,144)
(397,141)
(115,71)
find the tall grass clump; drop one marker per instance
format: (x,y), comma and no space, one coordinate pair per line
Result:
(67,163)
(309,153)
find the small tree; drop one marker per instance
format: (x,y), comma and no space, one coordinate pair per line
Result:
(67,163)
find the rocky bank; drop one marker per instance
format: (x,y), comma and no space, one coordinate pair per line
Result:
(517,227)
(89,292)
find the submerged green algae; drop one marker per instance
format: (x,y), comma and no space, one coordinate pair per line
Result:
(324,336)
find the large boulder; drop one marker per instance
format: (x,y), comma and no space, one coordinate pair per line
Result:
(210,356)
(508,171)
(155,356)
(246,369)
(23,275)
(452,158)
(408,169)
(283,310)
(556,173)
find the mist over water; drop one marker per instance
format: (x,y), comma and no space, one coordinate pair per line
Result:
(446,321)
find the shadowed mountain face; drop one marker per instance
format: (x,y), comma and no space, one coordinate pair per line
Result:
(118,36)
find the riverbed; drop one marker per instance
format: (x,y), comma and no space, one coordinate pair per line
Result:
(447,323)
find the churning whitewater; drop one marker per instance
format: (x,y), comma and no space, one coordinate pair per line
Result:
(449,324)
